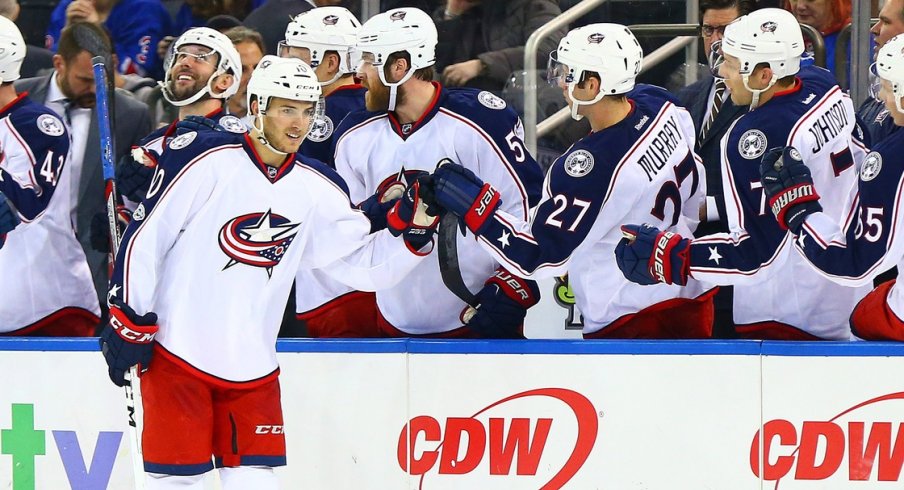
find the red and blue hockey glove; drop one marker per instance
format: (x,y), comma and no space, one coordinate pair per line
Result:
(789,187)
(411,217)
(460,191)
(127,340)
(648,256)
(378,205)
(502,306)
(9,218)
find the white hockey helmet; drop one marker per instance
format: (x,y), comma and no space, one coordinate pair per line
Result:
(403,29)
(321,30)
(229,62)
(286,78)
(610,50)
(771,36)
(12,50)
(890,66)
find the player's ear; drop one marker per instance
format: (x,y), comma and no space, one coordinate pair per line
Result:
(252,109)
(222,82)
(58,63)
(332,62)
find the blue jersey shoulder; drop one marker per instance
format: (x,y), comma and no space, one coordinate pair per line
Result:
(643,90)
(487,110)
(187,146)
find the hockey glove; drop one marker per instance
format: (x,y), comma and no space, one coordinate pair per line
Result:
(460,191)
(789,187)
(134,173)
(503,304)
(100,228)
(9,218)
(648,256)
(196,123)
(378,205)
(411,217)
(127,340)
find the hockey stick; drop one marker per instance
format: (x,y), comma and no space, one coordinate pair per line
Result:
(448,259)
(132,387)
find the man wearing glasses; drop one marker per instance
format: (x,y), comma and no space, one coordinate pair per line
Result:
(202,73)
(710,106)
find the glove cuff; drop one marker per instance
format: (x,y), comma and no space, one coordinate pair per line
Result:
(791,197)
(666,268)
(482,209)
(522,291)
(129,330)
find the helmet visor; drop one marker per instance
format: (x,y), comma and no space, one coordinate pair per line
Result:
(556,72)
(875,82)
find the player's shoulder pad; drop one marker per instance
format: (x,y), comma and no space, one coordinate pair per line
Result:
(587,163)
(757,131)
(182,149)
(643,90)
(36,123)
(817,77)
(322,169)
(486,109)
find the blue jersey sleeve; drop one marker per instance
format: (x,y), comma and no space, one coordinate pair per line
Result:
(55,26)
(48,144)
(136,28)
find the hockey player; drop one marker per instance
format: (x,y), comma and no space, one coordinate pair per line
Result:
(47,288)
(204,271)
(859,249)
(637,164)
(203,72)
(323,38)
(414,124)
(802,107)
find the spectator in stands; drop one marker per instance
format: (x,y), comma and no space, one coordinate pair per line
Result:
(827,16)
(36,58)
(872,111)
(709,103)
(201,13)
(69,91)
(250,46)
(481,43)
(135,26)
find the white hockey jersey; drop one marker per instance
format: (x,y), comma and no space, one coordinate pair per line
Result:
(641,170)
(772,282)
(44,267)
(473,128)
(215,246)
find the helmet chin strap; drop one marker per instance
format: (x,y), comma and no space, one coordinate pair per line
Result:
(261,137)
(755,102)
(208,89)
(575,102)
(393,87)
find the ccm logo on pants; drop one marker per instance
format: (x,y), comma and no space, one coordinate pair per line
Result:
(269,429)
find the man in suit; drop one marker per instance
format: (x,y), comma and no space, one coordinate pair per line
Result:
(712,120)
(69,91)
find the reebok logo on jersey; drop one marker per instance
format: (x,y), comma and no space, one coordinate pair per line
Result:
(257,240)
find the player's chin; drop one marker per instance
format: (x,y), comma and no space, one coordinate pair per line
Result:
(291,143)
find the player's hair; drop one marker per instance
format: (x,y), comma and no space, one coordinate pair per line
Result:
(241,34)
(744,6)
(7,8)
(74,39)
(421,74)
(788,80)
(587,74)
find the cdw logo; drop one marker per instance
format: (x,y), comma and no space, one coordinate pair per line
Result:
(510,445)
(815,450)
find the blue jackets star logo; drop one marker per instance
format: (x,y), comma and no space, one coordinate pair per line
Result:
(257,239)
